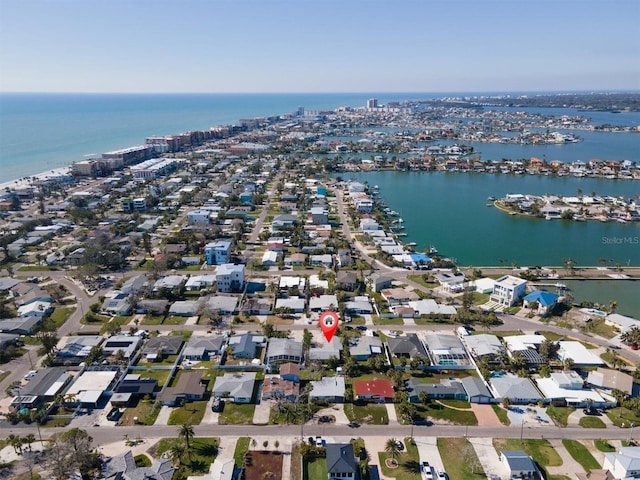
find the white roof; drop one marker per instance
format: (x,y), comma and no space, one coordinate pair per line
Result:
(550,389)
(292,282)
(427,306)
(578,353)
(523,342)
(323,302)
(328,387)
(484,284)
(293,303)
(314,281)
(270,256)
(92,381)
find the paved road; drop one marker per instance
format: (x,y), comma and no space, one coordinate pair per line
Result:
(104,435)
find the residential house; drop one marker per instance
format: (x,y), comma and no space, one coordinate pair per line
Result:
(283,350)
(407,346)
(451,282)
(291,304)
(378,282)
(610,379)
(508,290)
(520,465)
(485,346)
(223,304)
(446,389)
(230,277)
(477,391)
(325,260)
(35,309)
(76,349)
(218,252)
(120,304)
(290,371)
(157,348)
(276,244)
(202,348)
(270,258)
(625,463)
(344,258)
(328,389)
(520,391)
(347,280)
(342,462)
(326,350)
(189,387)
(322,303)
(128,344)
(185,308)
(131,388)
(246,345)
(295,260)
(123,467)
(361,348)
(569,386)
(198,282)
(579,354)
(277,388)
(544,302)
(398,296)
(446,351)
(20,325)
(238,386)
(360,305)
(152,306)
(377,390)
(258,306)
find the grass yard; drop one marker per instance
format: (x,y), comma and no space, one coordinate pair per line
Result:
(119,321)
(242,445)
(315,468)
(408,463)
(387,321)
(540,450)
(622,416)
(174,320)
(152,320)
(459,459)
(191,412)
(160,375)
(372,414)
(440,413)
(204,451)
(560,415)
(501,413)
(61,314)
(604,446)
(581,454)
(591,422)
(234,414)
(599,327)
(145,412)
(420,279)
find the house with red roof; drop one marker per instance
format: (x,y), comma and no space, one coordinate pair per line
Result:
(378,390)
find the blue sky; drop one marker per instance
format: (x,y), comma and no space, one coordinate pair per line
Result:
(318,46)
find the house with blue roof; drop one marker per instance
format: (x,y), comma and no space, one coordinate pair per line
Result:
(544,301)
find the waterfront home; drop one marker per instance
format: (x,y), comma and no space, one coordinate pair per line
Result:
(508,290)
(542,301)
(450,282)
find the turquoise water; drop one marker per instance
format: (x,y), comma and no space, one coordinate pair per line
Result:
(624,292)
(448,210)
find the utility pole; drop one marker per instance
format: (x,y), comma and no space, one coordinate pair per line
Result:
(521,430)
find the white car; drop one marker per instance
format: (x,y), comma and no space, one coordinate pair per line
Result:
(30,375)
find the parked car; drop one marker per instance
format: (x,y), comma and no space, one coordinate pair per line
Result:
(400,445)
(30,375)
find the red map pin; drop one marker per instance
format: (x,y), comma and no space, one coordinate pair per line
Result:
(329,324)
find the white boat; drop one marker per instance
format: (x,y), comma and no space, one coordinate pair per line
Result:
(433,250)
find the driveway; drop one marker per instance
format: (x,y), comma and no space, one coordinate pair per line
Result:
(262,412)
(485,414)
(428,450)
(488,457)
(374,445)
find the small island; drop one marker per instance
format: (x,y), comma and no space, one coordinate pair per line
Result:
(579,208)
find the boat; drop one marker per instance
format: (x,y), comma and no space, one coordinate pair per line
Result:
(411,244)
(491,199)
(489,204)
(433,250)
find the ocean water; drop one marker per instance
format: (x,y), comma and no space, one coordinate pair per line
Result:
(40,132)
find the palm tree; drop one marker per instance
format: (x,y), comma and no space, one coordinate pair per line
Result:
(392,450)
(186,431)
(29,439)
(177,451)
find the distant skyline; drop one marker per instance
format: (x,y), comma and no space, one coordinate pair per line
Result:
(297,46)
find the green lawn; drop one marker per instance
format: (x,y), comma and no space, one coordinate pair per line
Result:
(436,411)
(387,321)
(145,412)
(591,422)
(191,412)
(581,454)
(621,415)
(501,414)
(459,459)
(456,403)
(315,468)
(174,320)
(419,279)
(560,415)
(604,446)
(61,314)
(242,445)
(236,413)
(540,450)
(160,375)
(152,320)
(120,321)
(408,463)
(204,451)
(373,414)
